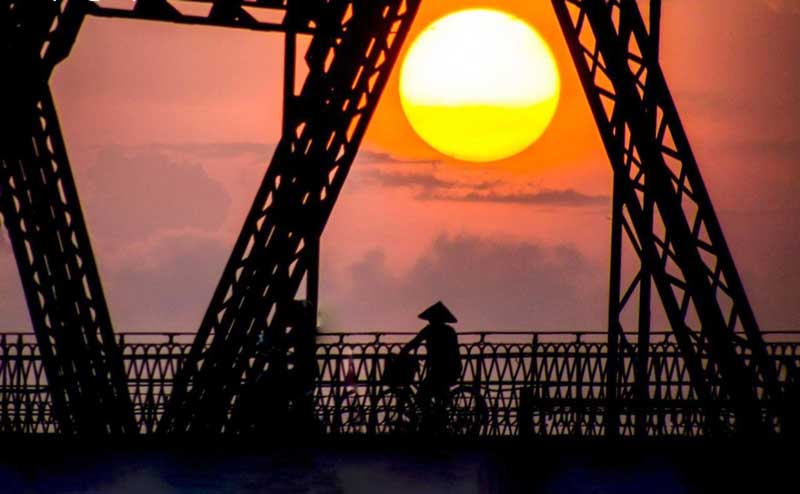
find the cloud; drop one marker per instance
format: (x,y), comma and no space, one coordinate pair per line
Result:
(163,283)
(435,188)
(502,284)
(166,282)
(374,157)
(491,284)
(265,150)
(545,197)
(233,149)
(411,179)
(219,150)
(130,195)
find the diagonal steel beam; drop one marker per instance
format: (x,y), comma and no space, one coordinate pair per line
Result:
(39,203)
(692,266)
(350,59)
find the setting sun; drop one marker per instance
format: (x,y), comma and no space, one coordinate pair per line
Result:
(479,85)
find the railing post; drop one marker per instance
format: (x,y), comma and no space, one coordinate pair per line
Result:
(19,387)
(336,385)
(478,377)
(580,407)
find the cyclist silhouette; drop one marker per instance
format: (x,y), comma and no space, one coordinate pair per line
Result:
(442,359)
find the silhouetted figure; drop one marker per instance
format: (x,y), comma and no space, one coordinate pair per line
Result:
(281,402)
(442,359)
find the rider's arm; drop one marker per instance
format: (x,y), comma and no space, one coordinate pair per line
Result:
(417,341)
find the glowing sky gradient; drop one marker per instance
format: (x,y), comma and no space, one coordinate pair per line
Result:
(479,85)
(169,130)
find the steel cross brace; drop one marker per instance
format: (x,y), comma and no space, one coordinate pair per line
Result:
(220,13)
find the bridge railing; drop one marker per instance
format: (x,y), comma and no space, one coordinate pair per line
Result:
(550,384)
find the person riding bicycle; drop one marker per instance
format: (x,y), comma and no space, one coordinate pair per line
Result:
(442,359)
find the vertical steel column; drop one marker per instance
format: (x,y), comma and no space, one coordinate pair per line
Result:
(615,331)
(620,350)
(642,356)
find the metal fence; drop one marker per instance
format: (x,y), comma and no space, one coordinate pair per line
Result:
(550,384)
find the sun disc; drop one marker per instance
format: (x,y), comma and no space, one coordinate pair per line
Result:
(479,85)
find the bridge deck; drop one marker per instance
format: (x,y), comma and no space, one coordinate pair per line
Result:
(547,384)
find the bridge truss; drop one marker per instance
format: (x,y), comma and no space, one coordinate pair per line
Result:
(662,215)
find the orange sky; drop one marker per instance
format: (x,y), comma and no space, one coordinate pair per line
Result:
(169,129)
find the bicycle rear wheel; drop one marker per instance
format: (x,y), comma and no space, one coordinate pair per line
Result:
(467,412)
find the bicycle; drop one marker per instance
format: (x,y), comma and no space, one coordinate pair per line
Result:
(398,410)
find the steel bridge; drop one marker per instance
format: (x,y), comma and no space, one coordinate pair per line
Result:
(713,373)
(512,384)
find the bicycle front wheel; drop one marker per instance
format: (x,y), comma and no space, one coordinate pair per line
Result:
(394,412)
(467,412)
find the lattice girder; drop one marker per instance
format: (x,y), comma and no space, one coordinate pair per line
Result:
(349,59)
(609,42)
(40,207)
